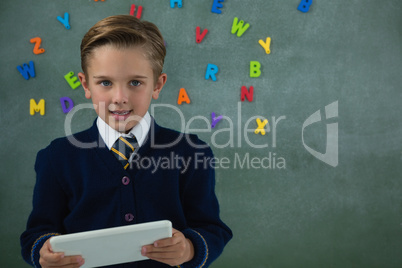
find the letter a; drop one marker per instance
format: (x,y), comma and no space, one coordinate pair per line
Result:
(211,72)
(183,97)
(239,27)
(40,107)
(255,69)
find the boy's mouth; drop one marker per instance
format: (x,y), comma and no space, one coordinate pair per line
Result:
(120,112)
(120,115)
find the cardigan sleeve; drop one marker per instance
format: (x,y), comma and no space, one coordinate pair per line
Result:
(205,229)
(49,208)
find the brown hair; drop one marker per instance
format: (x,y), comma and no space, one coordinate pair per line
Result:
(123,31)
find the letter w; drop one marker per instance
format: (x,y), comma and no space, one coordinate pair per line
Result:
(26,70)
(239,27)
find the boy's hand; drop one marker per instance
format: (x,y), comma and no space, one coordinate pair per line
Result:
(50,259)
(172,251)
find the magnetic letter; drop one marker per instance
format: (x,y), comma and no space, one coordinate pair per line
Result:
(37,50)
(183,97)
(179,3)
(247,93)
(139,11)
(216,5)
(255,69)
(40,107)
(215,119)
(304,5)
(239,27)
(72,80)
(198,35)
(212,69)
(65,20)
(26,70)
(261,125)
(63,101)
(266,45)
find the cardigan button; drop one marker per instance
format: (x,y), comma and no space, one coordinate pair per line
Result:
(129,217)
(125,180)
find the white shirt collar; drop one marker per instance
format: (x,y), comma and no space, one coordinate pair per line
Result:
(109,135)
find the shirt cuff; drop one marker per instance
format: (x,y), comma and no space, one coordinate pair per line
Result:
(37,246)
(200,249)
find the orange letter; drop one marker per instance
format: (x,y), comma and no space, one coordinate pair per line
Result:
(183,97)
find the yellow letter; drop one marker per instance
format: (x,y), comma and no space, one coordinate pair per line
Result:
(266,45)
(261,126)
(40,107)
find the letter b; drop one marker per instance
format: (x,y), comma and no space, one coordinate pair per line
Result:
(255,69)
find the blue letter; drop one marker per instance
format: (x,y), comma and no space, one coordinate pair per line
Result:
(217,5)
(304,5)
(26,70)
(211,71)
(179,3)
(65,20)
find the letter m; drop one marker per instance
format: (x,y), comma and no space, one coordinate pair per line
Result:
(37,107)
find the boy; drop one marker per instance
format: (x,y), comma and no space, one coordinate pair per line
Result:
(86,183)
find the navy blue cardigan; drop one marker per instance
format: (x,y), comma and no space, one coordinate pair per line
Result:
(81,189)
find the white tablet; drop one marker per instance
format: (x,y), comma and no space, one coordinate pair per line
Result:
(112,245)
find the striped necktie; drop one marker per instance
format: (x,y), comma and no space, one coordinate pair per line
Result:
(123,148)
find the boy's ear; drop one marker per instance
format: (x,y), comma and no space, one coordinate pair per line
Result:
(84,84)
(159,85)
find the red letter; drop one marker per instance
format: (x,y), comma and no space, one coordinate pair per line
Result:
(246,93)
(200,36)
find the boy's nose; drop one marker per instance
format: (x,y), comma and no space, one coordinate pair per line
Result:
(119,95)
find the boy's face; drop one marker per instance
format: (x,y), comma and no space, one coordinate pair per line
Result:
(121,84)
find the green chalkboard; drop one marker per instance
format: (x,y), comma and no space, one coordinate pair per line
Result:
(321,188)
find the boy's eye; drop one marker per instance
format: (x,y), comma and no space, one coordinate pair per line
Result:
(135,83)
(105,83)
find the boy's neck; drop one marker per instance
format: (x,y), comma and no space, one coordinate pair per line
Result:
(110,135)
